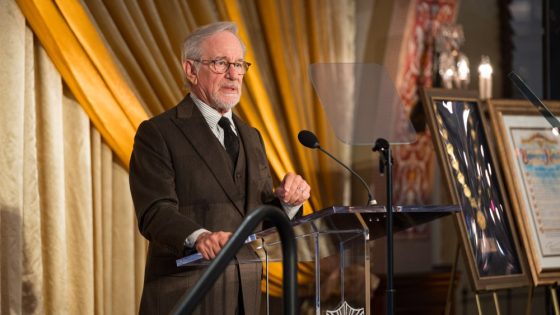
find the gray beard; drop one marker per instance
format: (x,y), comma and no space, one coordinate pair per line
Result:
(226,106)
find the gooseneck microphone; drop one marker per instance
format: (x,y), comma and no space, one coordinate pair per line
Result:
(308,139)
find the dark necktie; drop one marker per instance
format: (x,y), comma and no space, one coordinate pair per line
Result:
(231,142)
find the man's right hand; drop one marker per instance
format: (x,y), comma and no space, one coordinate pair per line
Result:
(209,244)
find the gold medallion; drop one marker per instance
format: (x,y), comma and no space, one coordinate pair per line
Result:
(481,220)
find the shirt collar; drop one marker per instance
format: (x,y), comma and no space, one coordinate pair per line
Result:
(210,114)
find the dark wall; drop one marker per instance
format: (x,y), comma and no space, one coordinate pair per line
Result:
(551,66)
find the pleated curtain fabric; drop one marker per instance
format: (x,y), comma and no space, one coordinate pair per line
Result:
(68,237)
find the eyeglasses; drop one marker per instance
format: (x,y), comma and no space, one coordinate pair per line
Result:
(221,65)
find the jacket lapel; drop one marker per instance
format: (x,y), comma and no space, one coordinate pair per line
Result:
(195,129)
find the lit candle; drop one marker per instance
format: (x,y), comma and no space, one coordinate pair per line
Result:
(463,71)
(485,78)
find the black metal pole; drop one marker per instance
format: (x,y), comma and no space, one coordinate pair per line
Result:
(390,287)
(190,300)
(386,166)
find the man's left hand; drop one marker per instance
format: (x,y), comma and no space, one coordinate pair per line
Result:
(293,191)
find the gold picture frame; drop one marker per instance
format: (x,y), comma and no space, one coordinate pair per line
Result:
(489,240)
(530,157)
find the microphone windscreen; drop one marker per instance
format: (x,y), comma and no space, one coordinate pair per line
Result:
(308,139)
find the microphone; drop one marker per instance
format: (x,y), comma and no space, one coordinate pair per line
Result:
(308,139)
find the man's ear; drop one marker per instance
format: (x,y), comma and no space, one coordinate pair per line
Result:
(190,72)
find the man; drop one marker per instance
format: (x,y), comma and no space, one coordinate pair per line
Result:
(195,172)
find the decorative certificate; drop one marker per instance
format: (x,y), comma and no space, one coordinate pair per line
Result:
(530,159)
(537,154)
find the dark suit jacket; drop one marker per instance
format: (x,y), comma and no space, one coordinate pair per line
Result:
(181,180)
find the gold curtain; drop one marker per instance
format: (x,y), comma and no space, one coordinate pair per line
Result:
(78,52)
(67,238)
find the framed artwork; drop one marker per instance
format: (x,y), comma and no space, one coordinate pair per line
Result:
(487,232)
(529,153)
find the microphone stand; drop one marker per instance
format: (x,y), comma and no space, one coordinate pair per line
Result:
(386,163)
(371,201)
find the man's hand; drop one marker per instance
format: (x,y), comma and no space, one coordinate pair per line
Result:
(293,191)
(209,244)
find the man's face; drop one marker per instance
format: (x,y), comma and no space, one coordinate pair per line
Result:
(220,91)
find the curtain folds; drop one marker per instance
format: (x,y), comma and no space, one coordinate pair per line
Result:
(78,52)
(67,236)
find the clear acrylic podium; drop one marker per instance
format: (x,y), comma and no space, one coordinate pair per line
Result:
(364,108)
(333,242)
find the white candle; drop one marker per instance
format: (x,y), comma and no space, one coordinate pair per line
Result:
(463,71)
(485,78)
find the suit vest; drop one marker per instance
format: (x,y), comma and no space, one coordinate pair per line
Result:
(239,173)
